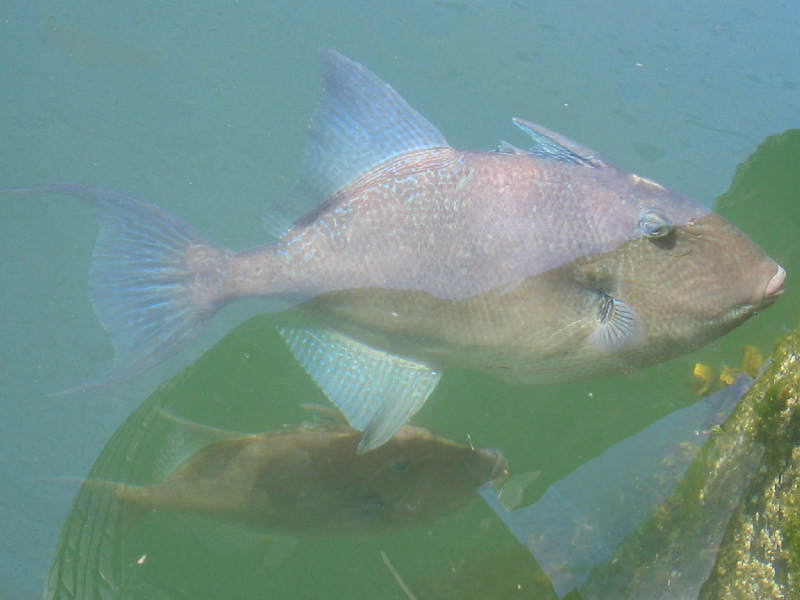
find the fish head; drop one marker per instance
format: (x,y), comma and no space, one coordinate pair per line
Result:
(678,277)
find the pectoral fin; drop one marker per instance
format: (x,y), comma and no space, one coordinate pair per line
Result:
(618,328)
(377,391)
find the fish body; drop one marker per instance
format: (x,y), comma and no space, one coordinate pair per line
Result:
(313,481)
(403,256)
(503,265)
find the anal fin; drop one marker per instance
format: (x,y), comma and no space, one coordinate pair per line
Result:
(376,391)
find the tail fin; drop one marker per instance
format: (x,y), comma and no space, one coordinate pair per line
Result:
(154,281)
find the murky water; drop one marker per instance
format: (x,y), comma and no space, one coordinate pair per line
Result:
(203,110)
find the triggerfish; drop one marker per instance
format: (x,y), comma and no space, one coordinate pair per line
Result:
(311,480)
(404,256)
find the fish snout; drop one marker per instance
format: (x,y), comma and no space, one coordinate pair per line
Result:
(774,287)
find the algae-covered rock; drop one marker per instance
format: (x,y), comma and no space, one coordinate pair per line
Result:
(581,519)
(731,529)
(760,555)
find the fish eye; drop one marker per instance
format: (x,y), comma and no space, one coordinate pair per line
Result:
(654,225)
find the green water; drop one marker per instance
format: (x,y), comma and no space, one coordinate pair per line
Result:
(249,382)
(203,111)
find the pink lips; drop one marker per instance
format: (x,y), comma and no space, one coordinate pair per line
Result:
(775,284)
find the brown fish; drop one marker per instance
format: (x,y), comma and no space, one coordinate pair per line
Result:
(312,481)
(539,265)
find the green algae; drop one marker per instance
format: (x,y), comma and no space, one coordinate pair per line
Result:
(731,529)
(760,555)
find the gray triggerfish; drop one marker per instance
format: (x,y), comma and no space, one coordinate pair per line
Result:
(311,480)
(403,256)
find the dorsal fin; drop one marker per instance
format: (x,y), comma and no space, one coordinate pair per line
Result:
(505,147)
(360,122)
(185,438)
(549,144)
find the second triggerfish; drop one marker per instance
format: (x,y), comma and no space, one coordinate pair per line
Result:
(311,480)
(404,256)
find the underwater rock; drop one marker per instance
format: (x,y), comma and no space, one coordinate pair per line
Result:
(580,520)
(760,554)
(746,483)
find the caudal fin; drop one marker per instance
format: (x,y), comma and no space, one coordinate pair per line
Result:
(154,280)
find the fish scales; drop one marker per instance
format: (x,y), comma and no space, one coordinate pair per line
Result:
(449,225)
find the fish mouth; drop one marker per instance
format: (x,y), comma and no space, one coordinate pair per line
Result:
(774,287)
